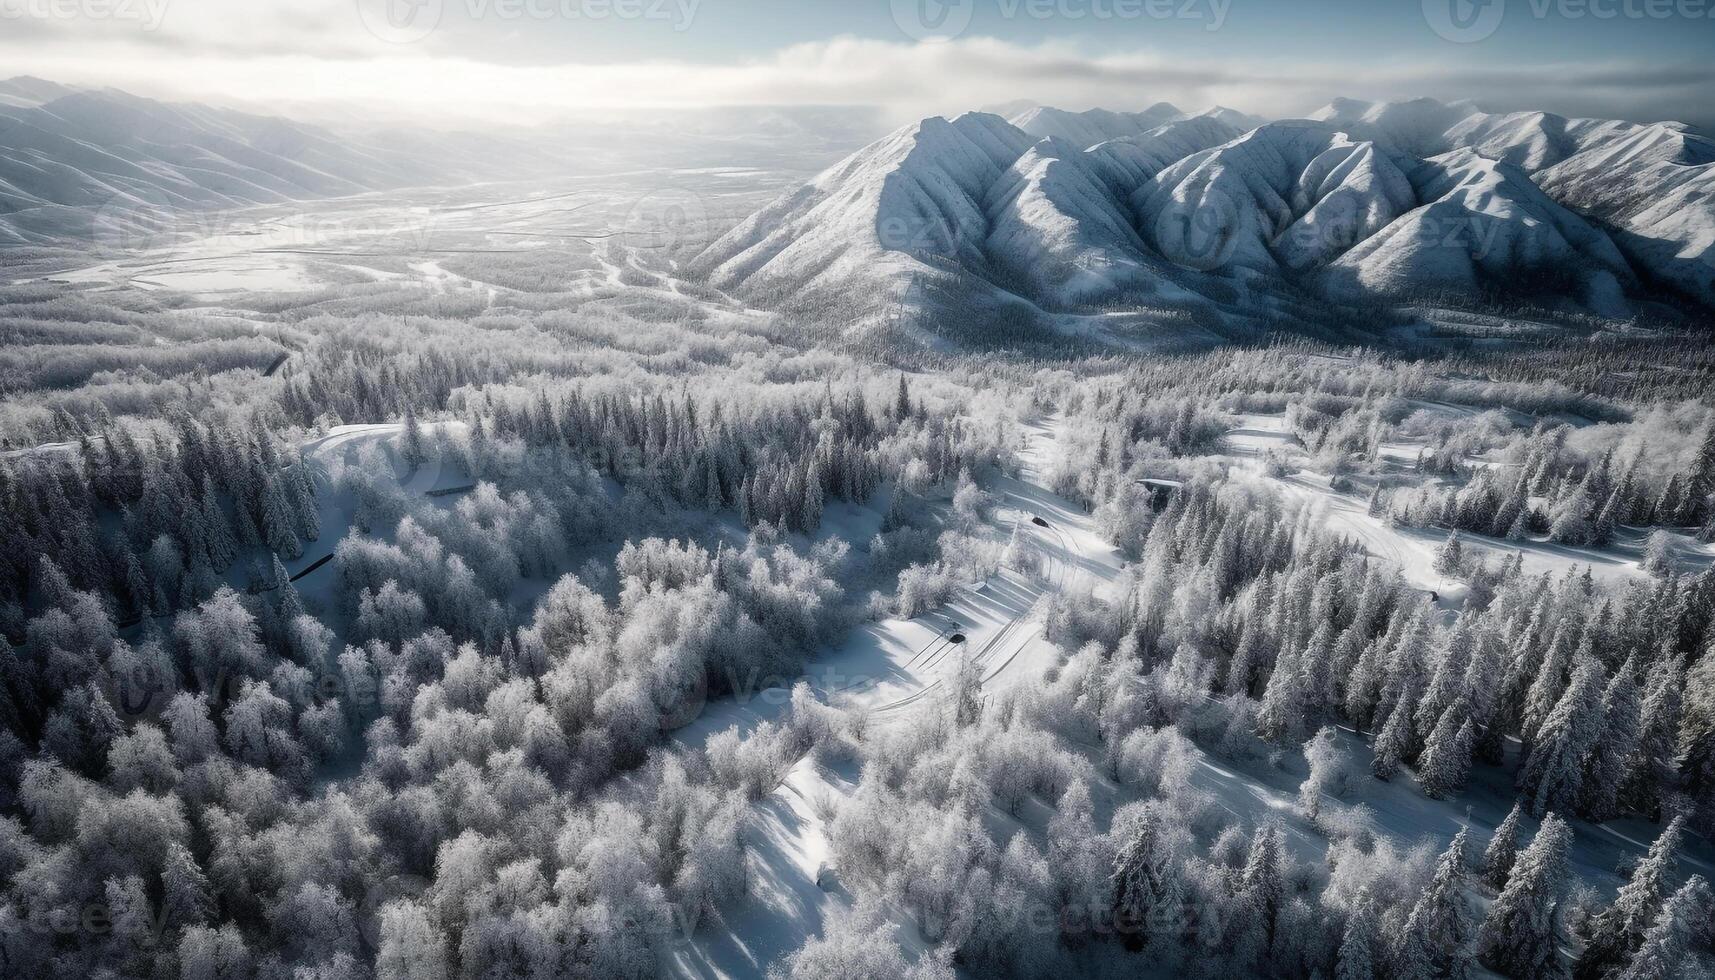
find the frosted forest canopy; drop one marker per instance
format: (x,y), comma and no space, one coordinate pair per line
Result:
(493,598)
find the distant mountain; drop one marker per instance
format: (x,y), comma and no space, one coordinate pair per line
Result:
(1083,220)
(79,164)
(73,162)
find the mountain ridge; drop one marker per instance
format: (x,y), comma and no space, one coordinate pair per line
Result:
(1357,205)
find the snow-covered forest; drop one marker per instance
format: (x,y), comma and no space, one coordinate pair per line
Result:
(550,611)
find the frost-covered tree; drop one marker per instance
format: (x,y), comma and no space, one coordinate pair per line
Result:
(1438,934)
(1502,852)
(1606,763)
(1618,931)
(1446,763)
(1356,959)
(1393,742)
(1144,882)
(1520,936)
(1450,556)
(1670,942)
(1553,775)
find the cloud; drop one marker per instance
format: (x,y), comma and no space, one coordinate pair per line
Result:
(306,54)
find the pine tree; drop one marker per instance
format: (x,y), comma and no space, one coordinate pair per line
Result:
(1605,766)
(1702,483)
(1393,743)
(1553,775)
(1619,930)
(1550,680)
(1446,763)
(1697,735)
(1519,937)
(1439,930)
(216,537)
(287,601)
(1281,716)
(185,889)
(1669,943)
(1356,957)
(1262,882)
(1653,763)
(810,510)
(1502,852)
(278,526)
(411,447)
(1450,557)
(1142,884)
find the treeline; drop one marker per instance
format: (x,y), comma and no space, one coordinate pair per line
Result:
(148,524)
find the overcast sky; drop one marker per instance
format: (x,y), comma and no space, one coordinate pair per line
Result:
(524,60)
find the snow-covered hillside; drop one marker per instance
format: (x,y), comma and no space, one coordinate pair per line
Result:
(1160,210)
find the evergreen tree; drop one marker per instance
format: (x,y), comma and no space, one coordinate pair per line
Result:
(1654,762)
(1356,959)
(279,528)
(1393,742)
(1519,938)
(1553,775)
(1697,735)
(412,446)
(185,889)
(1605,765)
(1262,883)
(1502,852)
(1143,886)
(1446,763)
(1281,716)
(1619,930)
(1450,556)
(1670,942)
(1438,932)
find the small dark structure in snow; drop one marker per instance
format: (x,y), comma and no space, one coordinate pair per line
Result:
(1039,522)
(1160,492)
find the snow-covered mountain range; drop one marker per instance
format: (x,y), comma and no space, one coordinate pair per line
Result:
(77,164)
(1076,218)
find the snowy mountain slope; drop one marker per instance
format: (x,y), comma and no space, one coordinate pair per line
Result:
(1058,225)
(1484,225)
(1130,161)
(1086,129)
(77,164)
(1283,197)
(1367,202)
(912,198)
(1648,184)
(1660,213)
